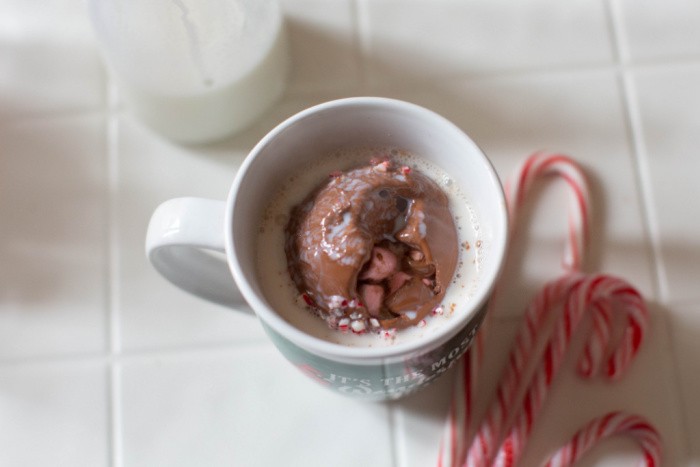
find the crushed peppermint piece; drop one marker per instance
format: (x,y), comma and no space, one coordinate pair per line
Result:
(335,301)
(381,167)
(308,300)
(358,326)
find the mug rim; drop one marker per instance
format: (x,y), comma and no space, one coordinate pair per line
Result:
(336,350)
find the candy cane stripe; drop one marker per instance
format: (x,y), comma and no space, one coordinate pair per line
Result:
(611,424)
(567,300)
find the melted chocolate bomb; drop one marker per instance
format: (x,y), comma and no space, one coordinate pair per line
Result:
(373,248)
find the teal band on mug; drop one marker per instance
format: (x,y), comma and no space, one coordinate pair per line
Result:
(391,379)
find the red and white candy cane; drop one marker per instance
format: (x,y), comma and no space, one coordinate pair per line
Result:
(611,424)
(599,295)
(490,432)
(541,165)
(585,293)
(538,166)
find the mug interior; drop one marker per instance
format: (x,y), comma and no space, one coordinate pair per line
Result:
(352,123)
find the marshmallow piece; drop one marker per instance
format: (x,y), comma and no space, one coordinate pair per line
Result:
(382,264)
(372,297)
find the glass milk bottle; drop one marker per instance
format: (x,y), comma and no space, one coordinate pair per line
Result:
(194,70)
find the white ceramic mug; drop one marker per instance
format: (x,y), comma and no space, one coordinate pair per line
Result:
(182,228)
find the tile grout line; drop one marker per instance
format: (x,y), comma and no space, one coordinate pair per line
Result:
(114,370)
(644,182)
(362,47)
(514,73)
(397,454)
(113,240)
(175,351)
(635,132)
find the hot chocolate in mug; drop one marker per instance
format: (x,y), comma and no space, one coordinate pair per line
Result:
(377,365)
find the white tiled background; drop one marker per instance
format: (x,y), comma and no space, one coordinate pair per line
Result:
(102,363)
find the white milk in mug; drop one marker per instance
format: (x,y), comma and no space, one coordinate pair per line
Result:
(194,71)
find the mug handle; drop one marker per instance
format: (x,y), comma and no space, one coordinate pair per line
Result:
(182,234)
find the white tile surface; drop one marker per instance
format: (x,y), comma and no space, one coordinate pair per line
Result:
(54,415)
(248,408)
(684,331)
(53,200)
(419,421)
(647,389)
(571,403)
(50,61)
(659,29)
(668,99)
(171,380)
(579,114)
(151,311)
(421,39)
(151,170)
(322,40)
